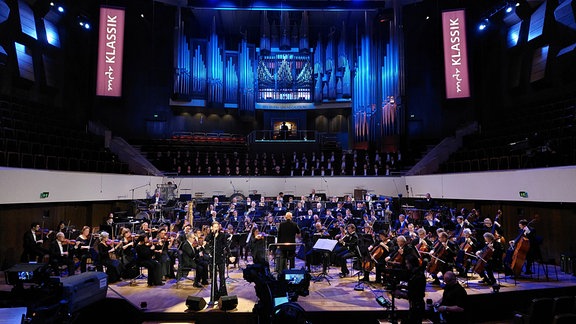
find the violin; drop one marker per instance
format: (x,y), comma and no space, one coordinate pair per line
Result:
(68,242)
(111,242)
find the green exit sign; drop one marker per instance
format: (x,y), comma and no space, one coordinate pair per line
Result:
(44,194)
(523,194)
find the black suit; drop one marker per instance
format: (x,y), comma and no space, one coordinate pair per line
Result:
(346,249)
(217,247)
(57,258)
(190,259)
(287,234)
(32,250)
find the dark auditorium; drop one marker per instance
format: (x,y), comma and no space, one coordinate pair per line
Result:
(288,161)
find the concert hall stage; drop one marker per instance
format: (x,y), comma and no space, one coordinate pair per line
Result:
(336,301)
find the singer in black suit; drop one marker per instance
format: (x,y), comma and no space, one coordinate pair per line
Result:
(216,246)
(287,232)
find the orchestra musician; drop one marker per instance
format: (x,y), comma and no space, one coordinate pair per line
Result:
(258,247)
(202,257)
(491,248)
(300,210)
(32,243)
(320,232)
(442,255)
(128,255)
(467,246)
(106,247)
(365,241)
(146,230)
(82,247)
(431,223)
(347,248)
(187,259)
(147,258)
(396,258)
(461,224)
(61,251)
(524,231)
(422,245)
(410,233)
(216,246)
(385,245)
(165,258)
(270,227)
(329,219)
(400,225)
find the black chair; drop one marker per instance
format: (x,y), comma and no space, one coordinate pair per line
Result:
(540,311)
(564,319)
(182,270)
(563,305)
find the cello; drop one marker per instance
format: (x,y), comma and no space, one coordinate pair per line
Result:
(483,258)
(375,255)
(434,265)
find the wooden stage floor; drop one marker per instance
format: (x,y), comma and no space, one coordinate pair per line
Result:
(337,300)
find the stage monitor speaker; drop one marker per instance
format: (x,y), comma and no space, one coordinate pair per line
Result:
(195,303)
(228,302)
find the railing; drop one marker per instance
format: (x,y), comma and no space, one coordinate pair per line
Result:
(267,136)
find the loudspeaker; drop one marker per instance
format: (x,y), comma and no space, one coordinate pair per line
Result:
(195,303)
(228,302)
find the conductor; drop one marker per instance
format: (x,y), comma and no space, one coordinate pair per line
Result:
(287,232)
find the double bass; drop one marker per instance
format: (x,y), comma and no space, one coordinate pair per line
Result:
(516,254)
(519,255)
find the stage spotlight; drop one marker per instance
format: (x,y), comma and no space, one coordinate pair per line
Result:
(228,302)
(60,9)
(509,9)
(483,24)
(195,303)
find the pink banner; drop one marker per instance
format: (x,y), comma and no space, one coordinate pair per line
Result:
(110,51)
(455,54)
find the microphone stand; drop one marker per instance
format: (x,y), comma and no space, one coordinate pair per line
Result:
(227,259)
(213,287)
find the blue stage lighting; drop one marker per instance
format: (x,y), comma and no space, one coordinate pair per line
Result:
(483,24)
(60,9)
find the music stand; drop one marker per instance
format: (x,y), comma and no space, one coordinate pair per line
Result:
(324,246)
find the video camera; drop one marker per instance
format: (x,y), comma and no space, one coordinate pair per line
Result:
(27,273)
(272,292)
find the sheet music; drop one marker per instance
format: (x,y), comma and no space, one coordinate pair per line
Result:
(325,244)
